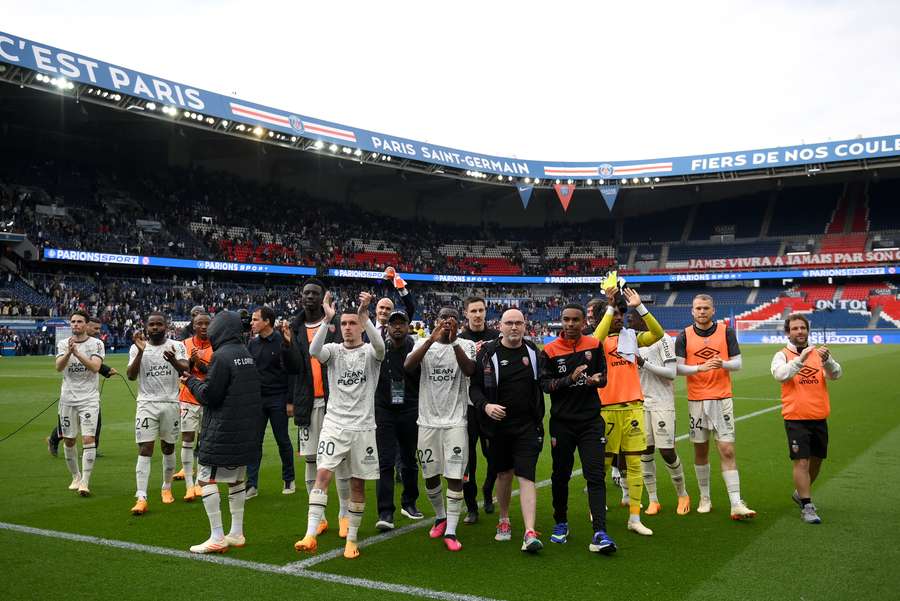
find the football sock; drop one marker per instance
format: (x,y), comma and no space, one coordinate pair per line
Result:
(211,502)
(142,474)
(317,501)
(702,472)
(648,468)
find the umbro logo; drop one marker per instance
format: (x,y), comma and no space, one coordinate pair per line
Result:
(807,372)
(615,354)
(707,353)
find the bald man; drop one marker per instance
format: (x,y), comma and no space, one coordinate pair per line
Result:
(506,391)
(385,306)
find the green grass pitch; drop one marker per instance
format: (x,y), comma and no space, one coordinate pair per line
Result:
(853,554)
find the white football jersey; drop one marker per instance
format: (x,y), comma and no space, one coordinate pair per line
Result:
(157,379)
(443,388)
(352,379)
(659,392)
(80,385)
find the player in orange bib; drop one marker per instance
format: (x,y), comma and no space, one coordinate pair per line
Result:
(707,352)
(622,399)
(802,370)
(199,352)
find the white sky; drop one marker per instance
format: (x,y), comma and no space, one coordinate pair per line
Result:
(591,81)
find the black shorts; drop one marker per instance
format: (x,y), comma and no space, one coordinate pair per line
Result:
(807,438)
(516,451)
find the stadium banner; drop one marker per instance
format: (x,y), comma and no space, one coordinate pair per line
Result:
(565,192)
(609,192)
(56,63)
(635,279)
(826,336)
(873,256)
(81,256)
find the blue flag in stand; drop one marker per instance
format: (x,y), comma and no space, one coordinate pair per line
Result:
(525,192)
(609,193)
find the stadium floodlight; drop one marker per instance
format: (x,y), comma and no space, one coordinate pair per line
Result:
(635,180)
(558,182)
(527,180)
(333,148)
(241,127)
(509,178)
(656,180)
(210,121)
(536,181)
(293,139)
(374,155)
(258,131)
(187,113)
(271,134)
(357,152)
(223,123)
(646,180)
(570,181)
(151,106)
(319,145)
(590,182)
(500,178)
(346,150)
(600,182)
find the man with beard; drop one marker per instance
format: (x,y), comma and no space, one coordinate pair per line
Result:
(156,361)
(396,410)
(476,330)
(802,370)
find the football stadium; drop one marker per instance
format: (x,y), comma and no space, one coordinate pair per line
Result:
(329,331)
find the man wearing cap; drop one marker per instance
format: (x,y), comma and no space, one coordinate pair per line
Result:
(396,411)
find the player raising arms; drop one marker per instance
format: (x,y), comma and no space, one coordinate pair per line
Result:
(622,398)
(707,352)
(446,362)
(348,430)
(79,357)
(156,362)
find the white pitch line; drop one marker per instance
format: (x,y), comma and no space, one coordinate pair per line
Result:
(249,565)
(378,538)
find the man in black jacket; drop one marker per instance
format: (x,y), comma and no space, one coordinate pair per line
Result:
(476,330)
(232,408)
(275,357)
(507,394)
(573,368)
(309,391)
(396,411)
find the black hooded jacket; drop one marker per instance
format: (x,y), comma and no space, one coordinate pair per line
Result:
(230,395)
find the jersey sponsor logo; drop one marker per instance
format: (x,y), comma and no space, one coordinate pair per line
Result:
(504,362)
(158,370)
(443,374)
(352,378)
(707,353)
(370,456)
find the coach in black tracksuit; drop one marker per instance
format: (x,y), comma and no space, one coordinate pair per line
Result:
(573,368)
(396,412)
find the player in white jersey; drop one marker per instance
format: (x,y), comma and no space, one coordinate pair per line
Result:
(657,365)
(156,362)
(79,357)
(348,429)
(446,363)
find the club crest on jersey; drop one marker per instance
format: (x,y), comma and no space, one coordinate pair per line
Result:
(661,424)
(331,328)
(525,361)
(370,456)
(587,355)
(504,362)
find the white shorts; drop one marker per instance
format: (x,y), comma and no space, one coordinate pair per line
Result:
(308,436)
(226,475)
(157,420)
(712,416)
(83,419)
(660,425)
(443,451)
(191,415)
(348,452)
